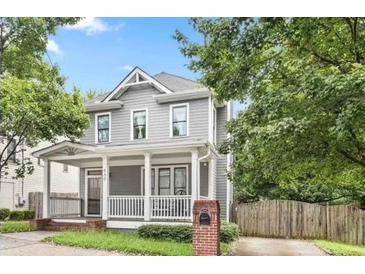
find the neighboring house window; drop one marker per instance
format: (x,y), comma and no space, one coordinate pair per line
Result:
(103,127)
(40,162)
(11,150)
(139,124)
(179,120)
(65,168)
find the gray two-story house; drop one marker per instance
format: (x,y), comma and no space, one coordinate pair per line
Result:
(150,152)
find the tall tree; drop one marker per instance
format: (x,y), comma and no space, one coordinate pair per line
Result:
(33,104)
(303,134)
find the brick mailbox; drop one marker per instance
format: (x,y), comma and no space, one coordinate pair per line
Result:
(206,227)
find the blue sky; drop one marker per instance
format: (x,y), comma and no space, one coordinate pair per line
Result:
(97,53)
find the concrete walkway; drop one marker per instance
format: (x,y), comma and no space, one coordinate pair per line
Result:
(248,246)
(28,244)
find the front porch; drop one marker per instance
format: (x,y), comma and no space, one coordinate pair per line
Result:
(129,189)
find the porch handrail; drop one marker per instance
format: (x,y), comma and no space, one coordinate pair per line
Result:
(126,206)
(171,207)
(65,206)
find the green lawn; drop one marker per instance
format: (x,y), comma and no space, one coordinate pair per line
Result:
(125,242)
(340,249)
(15,226)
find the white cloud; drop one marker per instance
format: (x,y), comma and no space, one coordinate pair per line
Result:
(126,67)
(91,25)
(52,46)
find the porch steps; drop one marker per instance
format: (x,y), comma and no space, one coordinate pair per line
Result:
(72,224)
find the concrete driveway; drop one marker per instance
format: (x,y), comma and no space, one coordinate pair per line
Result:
(28,244)
(249,246)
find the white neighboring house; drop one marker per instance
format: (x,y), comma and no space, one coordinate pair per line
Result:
(14,193)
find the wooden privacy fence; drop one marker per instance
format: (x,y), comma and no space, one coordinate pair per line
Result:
(61,204)
(299,220)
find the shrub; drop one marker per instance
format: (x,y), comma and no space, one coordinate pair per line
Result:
(10,227)
(4,213)
(29,214)
(229,232)
(177,233)
(184,233)
(16,215)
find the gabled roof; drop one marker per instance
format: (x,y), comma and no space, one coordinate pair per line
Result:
(136,77)
(177,83)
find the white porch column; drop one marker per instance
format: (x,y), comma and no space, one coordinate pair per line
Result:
(105,187)
(194,178)
(46,187)
(147,186)
(211,178)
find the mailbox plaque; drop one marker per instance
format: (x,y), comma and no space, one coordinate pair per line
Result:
(204,218)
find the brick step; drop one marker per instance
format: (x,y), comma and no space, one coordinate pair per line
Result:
(58,225)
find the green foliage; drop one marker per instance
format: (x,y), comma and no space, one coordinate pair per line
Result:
(4,213)
(184,233)
(11,227)
(178,233)
(340,249)
(302,135)
(29,214)
(229,232)
(19,215)
(34,106)
(129,243)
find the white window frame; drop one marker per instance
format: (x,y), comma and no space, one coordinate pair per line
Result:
(172,178)
(132,126)
(187,120)
(86,191)
(96,127)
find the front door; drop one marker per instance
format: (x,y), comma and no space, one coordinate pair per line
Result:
(93,192)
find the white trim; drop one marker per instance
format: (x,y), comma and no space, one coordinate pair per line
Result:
(89,107)
(41,152)
(187,120)
(74,221)
(96,127)
(138,71)
(137,224)
(86,188)
(132,125)
(210,120)
(182,96)
(172,177)
(214,125)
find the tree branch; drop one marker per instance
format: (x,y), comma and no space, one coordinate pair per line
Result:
(352,158)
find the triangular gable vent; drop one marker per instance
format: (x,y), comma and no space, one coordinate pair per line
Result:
(136,77)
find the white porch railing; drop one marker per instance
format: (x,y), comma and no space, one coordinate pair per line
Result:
(126,206)
(171,207)
(64,207)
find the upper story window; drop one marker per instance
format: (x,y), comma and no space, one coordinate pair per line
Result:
(11,150)
(102,127)
(179,120)
(139,124)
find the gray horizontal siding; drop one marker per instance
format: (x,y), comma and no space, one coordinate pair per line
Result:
(221,168)
(158,118)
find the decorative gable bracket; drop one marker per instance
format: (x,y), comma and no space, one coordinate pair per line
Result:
(136,77)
